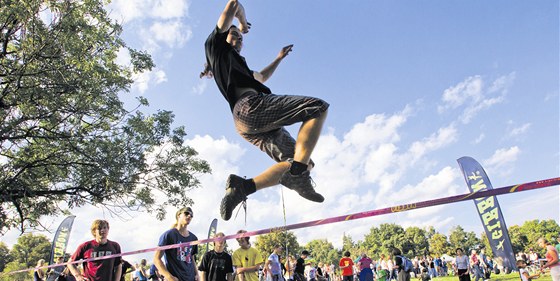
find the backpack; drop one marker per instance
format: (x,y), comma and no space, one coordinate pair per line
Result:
(406,263)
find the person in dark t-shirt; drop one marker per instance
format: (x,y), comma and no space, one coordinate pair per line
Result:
(299,271)
(180,263)
(216,265)
(260,116)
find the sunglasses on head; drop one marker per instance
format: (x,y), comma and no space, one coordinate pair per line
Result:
(187,213)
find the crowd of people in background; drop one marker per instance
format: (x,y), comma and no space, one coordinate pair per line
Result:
(248,264)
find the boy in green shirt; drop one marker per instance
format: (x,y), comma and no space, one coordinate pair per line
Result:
(381,274)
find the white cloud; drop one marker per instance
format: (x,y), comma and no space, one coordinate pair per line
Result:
(433,186)
(143,80)
(172,33)
(126,11)
(502,84)
(501,162)
(442,138)
(474,96)
(479,139)
(200,87)
(158,25)
(471,111)
(169,9)
(519,130)
(470,89)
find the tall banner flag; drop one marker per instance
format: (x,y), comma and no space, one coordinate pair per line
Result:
(61,237)
(489,211)
(211,232)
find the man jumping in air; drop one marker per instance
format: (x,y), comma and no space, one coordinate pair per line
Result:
(260,116)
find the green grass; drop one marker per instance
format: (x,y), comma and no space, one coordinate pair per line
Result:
(501,277)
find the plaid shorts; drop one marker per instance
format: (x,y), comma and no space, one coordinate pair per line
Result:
(260,119)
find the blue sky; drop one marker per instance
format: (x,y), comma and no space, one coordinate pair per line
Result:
(413,85)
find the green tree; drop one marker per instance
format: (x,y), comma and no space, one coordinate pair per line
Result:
(459,238)
(15,266)
(518,240)
(486,245)
(65,135)
(438,245)
(30,248)
(535,229)
(347,243)
(323,251)
(265,243)
(415,242)
(381,240)
(5,257)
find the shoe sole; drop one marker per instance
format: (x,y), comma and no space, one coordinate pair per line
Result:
(315,197)
(231,181)
(223,209)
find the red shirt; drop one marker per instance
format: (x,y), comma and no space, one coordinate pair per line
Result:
(99,270)
(347,271)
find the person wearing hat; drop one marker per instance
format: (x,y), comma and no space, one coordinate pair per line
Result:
(180,263)
(247,260)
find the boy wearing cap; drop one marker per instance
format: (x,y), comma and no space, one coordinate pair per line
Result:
(180,263)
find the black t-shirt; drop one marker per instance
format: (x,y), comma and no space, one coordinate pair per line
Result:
(125,267)
(216,265)
(229,68)
(300,267)
(399,263)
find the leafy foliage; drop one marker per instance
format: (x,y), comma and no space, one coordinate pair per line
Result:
(66,139)
(14,266)
(439,245)
(459,238)
(323,251)
(4,256)
(30,248)
(265,243)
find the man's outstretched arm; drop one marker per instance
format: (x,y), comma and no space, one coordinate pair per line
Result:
(233,9)
(264,74)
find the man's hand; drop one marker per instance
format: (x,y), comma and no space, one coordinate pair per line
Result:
(244,27)
(171,277)
(285,51)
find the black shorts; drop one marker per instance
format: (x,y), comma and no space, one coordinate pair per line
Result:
(260,119)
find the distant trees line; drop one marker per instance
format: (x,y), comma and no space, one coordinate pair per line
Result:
(413,241)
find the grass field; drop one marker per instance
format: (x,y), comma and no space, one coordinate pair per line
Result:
(502,277)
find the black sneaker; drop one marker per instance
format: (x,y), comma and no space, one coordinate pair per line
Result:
(234,195)
(302,184)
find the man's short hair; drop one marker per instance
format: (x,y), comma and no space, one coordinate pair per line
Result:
(243,231)
(218,234)
(305,252)
(98,224)
(346,254)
